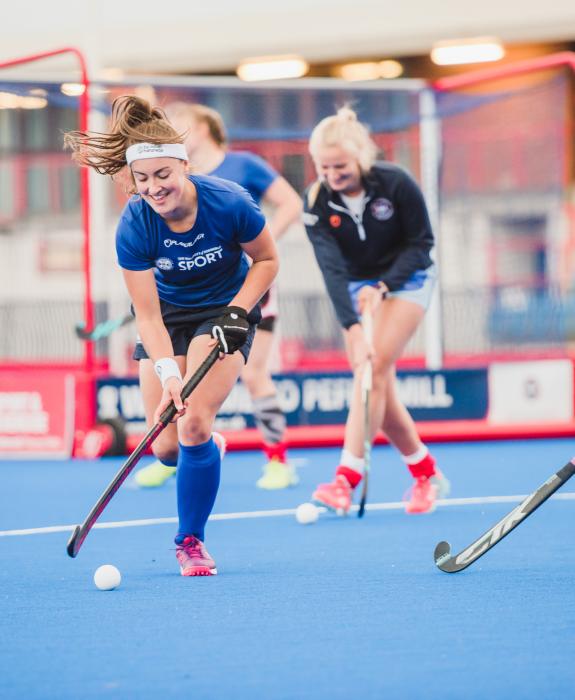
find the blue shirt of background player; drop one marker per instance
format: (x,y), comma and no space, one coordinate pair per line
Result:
(248,170)
(203,267)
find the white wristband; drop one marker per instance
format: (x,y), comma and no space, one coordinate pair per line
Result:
(166,368)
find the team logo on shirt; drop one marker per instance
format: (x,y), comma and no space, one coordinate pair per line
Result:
(164,264)
(335,220)
(381,209)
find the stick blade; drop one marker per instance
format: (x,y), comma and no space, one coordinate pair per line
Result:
(361,509)
(442,557)
(73,543)
(81,331)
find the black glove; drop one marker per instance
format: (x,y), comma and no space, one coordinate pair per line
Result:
(231,329)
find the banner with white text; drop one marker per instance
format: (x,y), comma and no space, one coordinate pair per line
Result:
(36,414)
(320,398)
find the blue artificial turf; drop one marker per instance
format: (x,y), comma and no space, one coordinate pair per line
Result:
(342,608)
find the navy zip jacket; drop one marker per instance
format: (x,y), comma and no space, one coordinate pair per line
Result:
(389,242)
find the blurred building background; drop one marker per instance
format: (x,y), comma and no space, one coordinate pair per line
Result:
(495,158)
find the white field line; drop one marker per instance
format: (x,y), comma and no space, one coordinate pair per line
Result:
(396,505)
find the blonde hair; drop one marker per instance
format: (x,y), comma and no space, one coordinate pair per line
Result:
(203,115)
(134,120)
(343,129)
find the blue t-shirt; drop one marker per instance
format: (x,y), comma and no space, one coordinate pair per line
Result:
(203,267)
(248,170)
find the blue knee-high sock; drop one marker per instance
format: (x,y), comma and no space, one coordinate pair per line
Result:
(198,479)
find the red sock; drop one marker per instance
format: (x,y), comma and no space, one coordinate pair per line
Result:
(425,467)
(277,451)
(352,477)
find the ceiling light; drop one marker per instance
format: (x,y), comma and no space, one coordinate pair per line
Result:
(368,70)
(478,50)
(34,102)
(72,89)
(390,69)
(272,68)
(9,100)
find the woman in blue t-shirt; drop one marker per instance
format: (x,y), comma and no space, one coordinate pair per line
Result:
(182,244)
(207,148)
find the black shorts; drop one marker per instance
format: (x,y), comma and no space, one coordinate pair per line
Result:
(183,324)
(267,324)
(268,321)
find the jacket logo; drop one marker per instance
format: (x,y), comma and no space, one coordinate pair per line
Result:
(381,209)
(309,219)
(335,221)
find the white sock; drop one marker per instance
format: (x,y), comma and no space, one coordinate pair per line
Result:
(416,456)
(351,461)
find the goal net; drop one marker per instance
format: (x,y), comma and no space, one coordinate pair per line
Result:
(500,154)
(275,122)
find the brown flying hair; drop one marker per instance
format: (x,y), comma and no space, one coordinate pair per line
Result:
(133,120)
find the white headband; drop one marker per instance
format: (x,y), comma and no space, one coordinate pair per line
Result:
(140,151)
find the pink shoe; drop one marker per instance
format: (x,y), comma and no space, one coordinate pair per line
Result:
(335,496)
(422,496)
(194,558)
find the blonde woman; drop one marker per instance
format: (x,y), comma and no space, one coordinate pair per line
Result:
(372,238)
(206,145)
(183,244)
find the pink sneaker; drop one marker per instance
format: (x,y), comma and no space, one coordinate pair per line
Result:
(422,496)
(194,558)
(335,496)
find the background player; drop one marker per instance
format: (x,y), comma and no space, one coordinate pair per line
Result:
(372,238)
(206,144)
(182,245)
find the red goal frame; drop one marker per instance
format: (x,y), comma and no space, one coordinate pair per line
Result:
(84,111)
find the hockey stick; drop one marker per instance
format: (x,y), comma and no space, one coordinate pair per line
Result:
(489,539)
(102,330)
(366,384)
(81,531)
